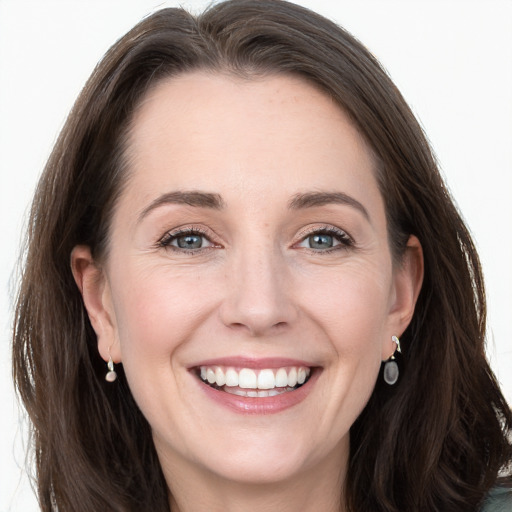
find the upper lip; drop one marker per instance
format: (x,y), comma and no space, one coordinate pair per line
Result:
(252,362)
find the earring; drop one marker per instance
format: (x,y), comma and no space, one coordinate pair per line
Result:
(391,371)
(111,375)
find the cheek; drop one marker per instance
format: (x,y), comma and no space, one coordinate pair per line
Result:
(157,315)
(158,312)
(353,312)
(351,304)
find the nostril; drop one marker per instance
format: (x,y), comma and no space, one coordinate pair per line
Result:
(256,330)
(237,326)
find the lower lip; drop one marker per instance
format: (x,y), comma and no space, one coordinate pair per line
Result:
(261,405)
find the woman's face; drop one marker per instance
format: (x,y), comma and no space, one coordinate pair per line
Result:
(249,247)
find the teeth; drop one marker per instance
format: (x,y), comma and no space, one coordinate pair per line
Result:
(256,394)
(231,377)
(210,376)
(271,381)
(247,379)
(292,377)
(281,378)
(236,391)
(266,380)
(220,378)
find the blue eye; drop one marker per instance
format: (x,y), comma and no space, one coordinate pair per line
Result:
(325,240)
(188,241)
(185,241)
(321,241)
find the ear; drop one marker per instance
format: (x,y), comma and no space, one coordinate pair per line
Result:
(95,289)
(407,281)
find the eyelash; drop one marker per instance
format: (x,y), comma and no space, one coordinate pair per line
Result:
(166,241)
(345,240)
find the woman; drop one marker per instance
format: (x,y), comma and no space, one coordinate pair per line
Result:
(235,295)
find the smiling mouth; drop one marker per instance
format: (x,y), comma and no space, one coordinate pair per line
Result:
(249,382)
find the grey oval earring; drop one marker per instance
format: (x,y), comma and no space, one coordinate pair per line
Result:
(391,372)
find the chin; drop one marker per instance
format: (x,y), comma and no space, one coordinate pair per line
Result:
(256,468)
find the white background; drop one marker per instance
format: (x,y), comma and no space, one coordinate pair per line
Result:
(452,60)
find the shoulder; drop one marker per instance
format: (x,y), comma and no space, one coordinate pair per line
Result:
(499,499)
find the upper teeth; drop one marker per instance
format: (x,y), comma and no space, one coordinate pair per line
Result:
(248,378)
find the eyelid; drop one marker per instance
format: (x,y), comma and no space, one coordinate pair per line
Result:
(324,228)
(341,235)
(344,238)
(173,234)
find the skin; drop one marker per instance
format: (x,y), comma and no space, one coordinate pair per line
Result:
(256,289)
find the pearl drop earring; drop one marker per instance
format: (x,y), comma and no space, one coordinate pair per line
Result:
(111,375)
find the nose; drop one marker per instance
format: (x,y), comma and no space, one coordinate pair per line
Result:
(259,298)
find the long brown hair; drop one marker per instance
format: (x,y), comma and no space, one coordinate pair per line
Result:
(436,441)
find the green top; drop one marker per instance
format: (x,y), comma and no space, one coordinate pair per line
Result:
(499,499)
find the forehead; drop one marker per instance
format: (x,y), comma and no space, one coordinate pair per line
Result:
(211,131)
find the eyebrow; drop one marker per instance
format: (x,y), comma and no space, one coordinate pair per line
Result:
(190,198)
(215,201)
(313,199)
